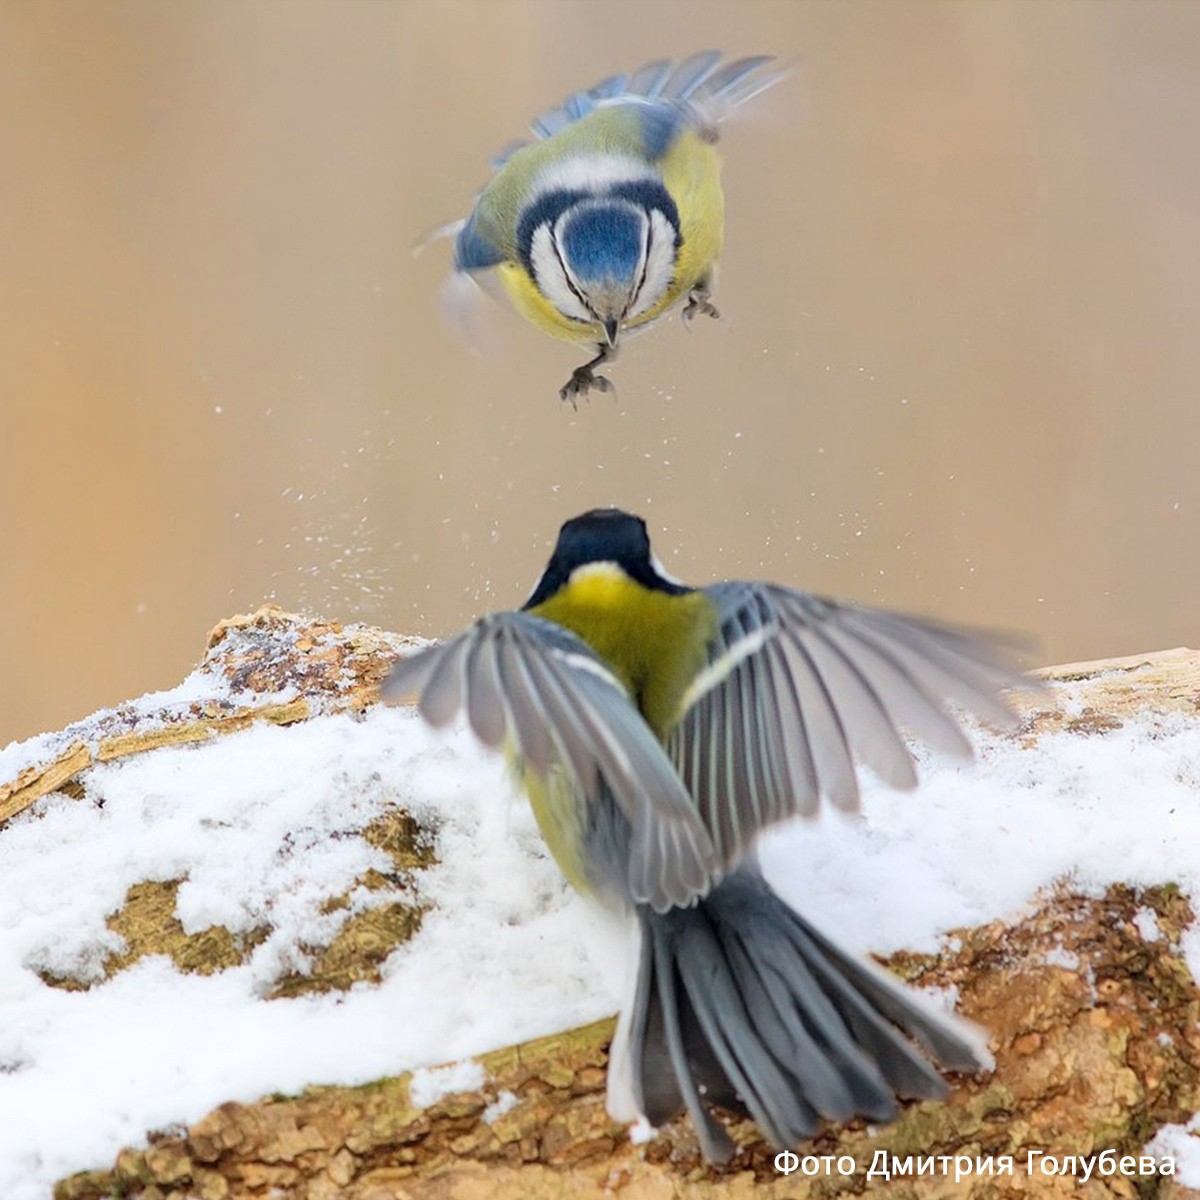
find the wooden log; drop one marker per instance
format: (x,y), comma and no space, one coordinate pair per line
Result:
(1095,1028)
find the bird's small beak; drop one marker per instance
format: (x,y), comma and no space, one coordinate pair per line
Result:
(611,328)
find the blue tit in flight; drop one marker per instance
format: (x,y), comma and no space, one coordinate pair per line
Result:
(615,213)
(658,729)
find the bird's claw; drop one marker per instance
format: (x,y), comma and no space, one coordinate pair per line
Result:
(583,380)
(699,302)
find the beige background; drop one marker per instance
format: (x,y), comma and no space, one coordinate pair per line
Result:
(958,368)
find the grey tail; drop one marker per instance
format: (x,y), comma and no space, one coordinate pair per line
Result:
(740,1003)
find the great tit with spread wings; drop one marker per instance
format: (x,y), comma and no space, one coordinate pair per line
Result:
(658,729)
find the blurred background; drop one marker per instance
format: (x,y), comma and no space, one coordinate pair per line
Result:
(957,369)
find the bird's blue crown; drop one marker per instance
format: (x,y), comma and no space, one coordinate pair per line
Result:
(604,238)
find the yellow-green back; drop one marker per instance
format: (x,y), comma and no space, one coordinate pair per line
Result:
(654,641)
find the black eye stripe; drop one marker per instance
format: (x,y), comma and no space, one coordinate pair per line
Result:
(649,194)
(567,275)
(545,210)
(647,237)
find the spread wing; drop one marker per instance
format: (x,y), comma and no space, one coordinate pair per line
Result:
(531,686)
(799,688)
(702,89)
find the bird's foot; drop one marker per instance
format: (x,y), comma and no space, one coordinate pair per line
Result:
(699,301)
(583,380)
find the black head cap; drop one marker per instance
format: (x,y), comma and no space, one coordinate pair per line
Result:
(603,535)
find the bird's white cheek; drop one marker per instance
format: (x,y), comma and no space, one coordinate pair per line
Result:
(550,278)
(660,263)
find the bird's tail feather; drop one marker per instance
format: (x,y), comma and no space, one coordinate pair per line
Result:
(741,1003)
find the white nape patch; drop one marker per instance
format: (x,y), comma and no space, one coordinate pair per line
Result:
(591,172)
(658,264)
(604,568)
(552,279)
(428,1085)
(721,668)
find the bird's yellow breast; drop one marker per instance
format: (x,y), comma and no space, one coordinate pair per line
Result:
(528,300)
(692,174)
(561,820)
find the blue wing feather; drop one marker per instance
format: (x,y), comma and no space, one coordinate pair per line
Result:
(699,78)
(697,90)
(614,85)
(686,78)
(648,80)
(473,251)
